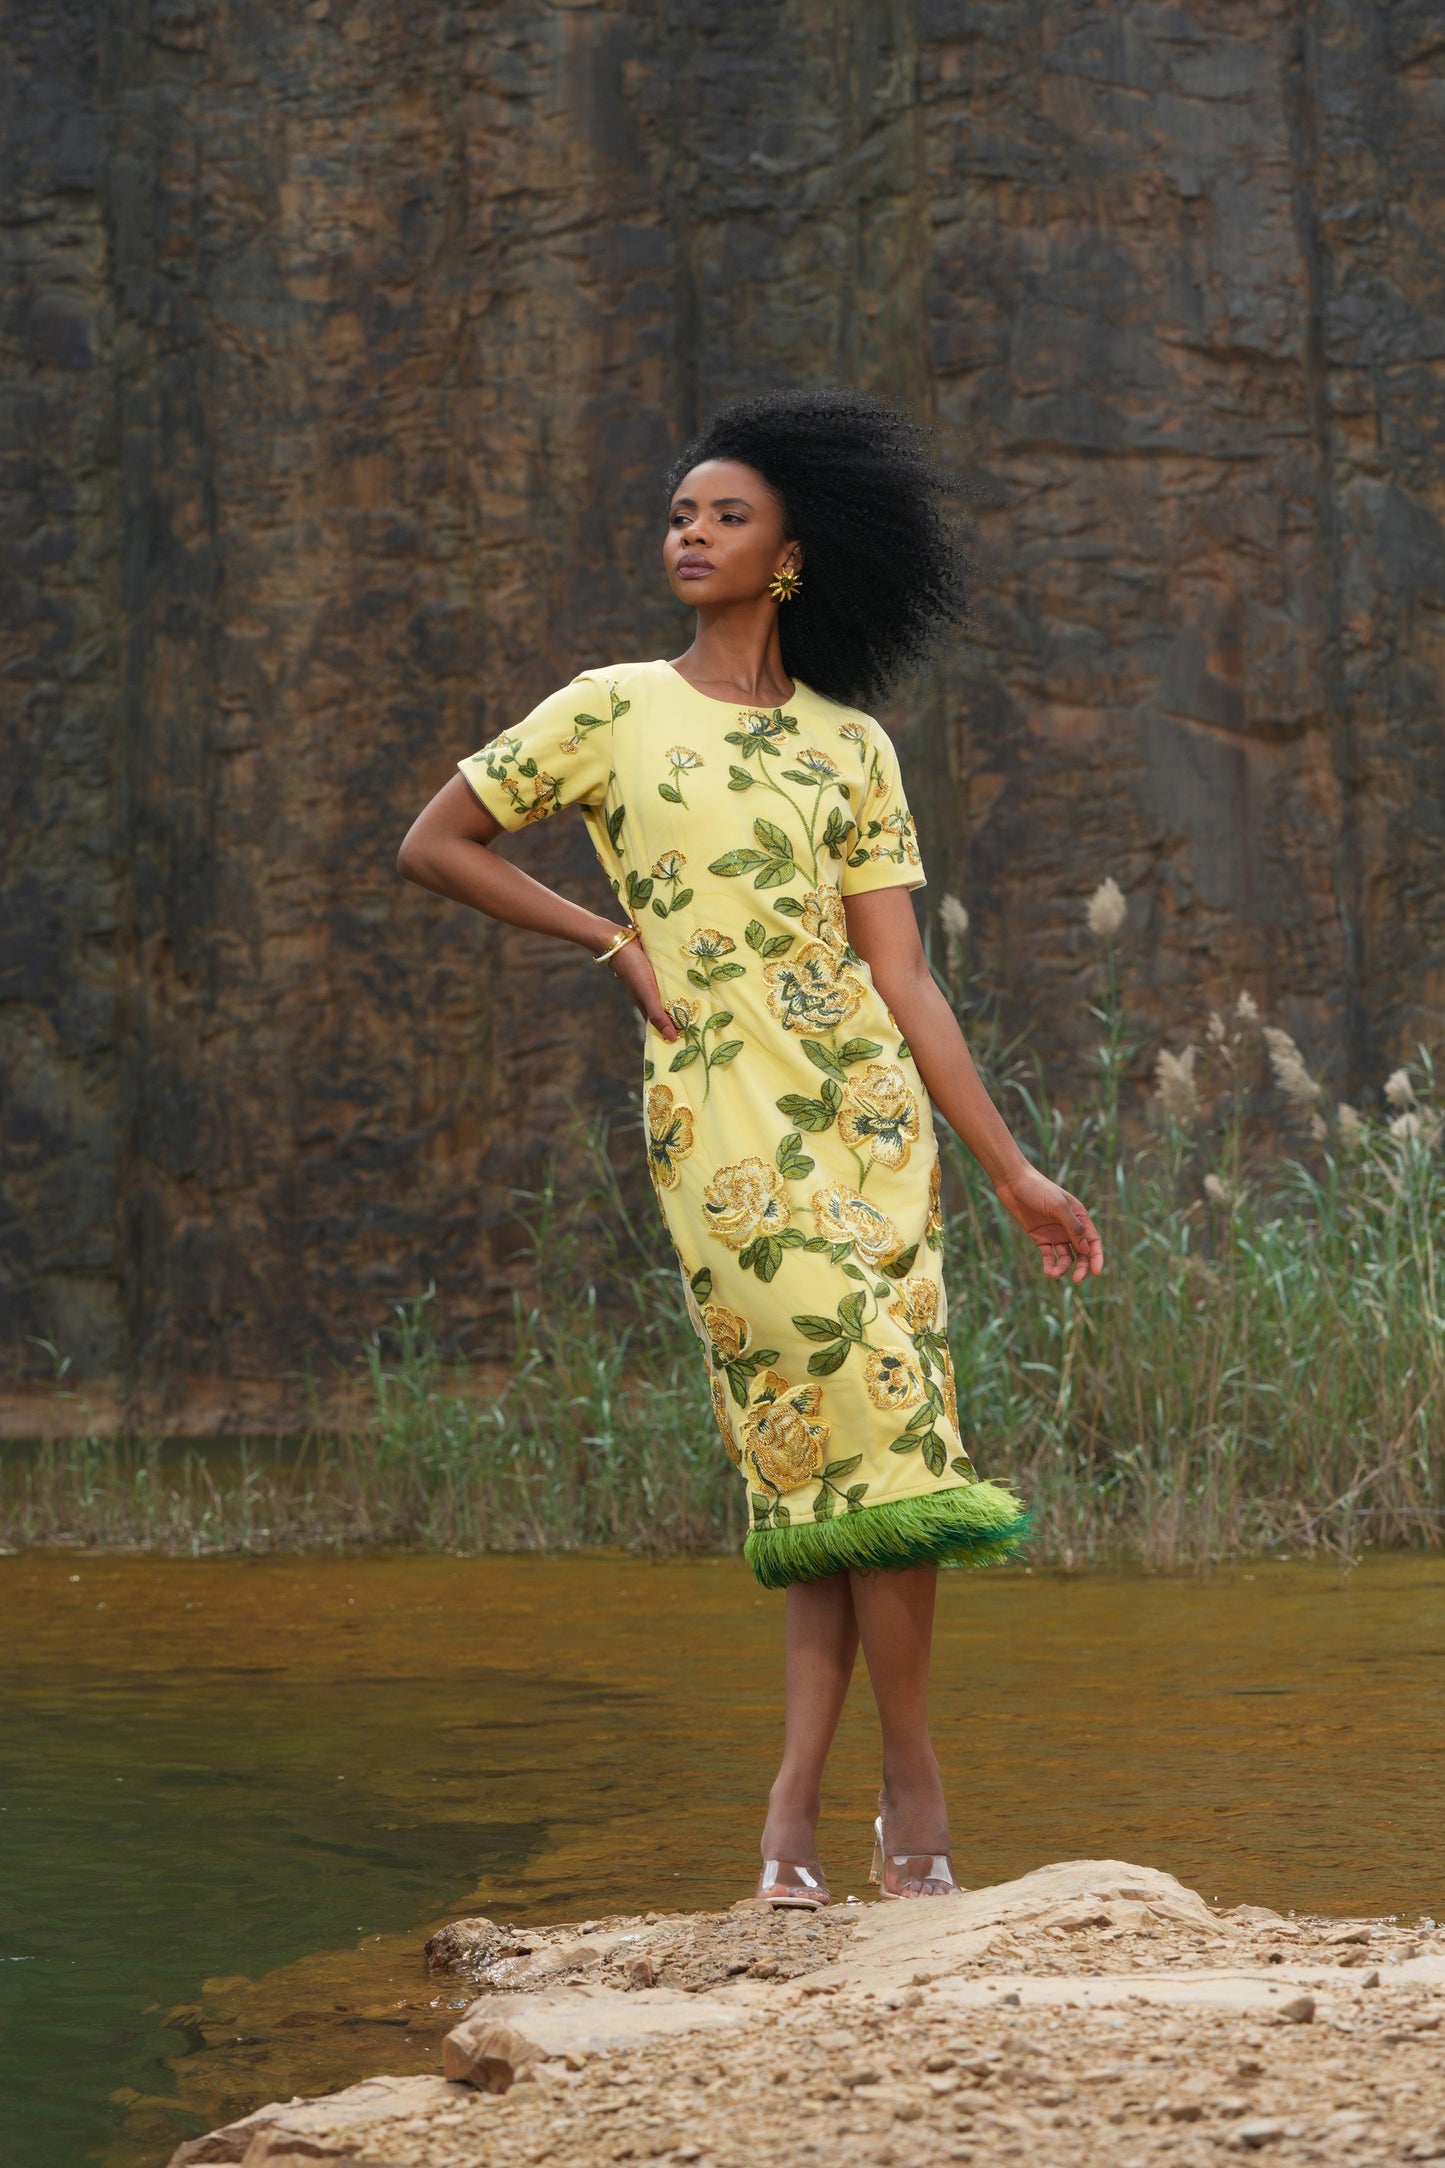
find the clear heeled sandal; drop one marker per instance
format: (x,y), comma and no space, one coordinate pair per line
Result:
(911,1874)
(785,1882)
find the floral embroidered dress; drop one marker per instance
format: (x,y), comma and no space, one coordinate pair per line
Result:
(790,1138)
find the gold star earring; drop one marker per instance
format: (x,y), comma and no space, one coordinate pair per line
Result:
(785,584)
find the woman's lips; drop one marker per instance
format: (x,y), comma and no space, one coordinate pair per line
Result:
(693,568)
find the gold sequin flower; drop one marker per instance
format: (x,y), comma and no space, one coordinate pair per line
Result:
(782,1437)
(891,1379)
(682,756)
(744,1200)
(916,1307)
(728,1332)
(844,1214)
(823,917)
(669,1135)
(813,992)
(722,1415)
(880,1114)
(707,943)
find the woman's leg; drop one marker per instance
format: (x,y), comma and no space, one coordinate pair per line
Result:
(821,1644)
(894,1611)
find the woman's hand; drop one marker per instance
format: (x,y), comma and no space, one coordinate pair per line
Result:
(633,966)
(1067,1238)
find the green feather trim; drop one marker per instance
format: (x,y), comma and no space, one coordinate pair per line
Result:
(972,1524)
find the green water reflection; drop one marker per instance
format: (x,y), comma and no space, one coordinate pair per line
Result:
(242,1787)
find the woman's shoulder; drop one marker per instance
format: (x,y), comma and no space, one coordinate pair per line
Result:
(852,722)
(620,674)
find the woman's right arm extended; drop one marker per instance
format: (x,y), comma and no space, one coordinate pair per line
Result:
(446,849)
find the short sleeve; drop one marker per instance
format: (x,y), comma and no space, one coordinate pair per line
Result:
(885,854)
(559,755)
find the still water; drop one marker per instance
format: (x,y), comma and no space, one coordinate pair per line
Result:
(234,1795)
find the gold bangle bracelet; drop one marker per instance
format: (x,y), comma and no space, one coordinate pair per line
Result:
(619,940)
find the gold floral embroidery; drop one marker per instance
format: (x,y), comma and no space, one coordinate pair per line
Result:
(707,943)
(902,849)
(545,791)
(916,1308)
(823,916)
(844,1214)
(745,1200)
(723,1418)
(891,1379)
(933,1225)
(781,1436)
(682,757)
(879,1111)
(813,992)
(669,866)
(950,1393)
(727,1331)
(817,762)
(669,1135)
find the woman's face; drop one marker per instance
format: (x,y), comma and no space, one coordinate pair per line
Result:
(725,536)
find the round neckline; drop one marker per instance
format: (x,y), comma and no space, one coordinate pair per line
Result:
(738,706)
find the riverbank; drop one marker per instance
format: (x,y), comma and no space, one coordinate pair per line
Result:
(1085,2012)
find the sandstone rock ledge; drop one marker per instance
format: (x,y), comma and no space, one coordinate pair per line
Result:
(1091,2012)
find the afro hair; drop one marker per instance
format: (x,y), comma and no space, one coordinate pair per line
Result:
(884,572)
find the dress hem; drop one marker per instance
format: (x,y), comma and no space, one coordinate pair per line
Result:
(975,1524)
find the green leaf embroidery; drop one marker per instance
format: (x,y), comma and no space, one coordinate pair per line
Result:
(850,1313)
(701,1283)
(837,1469)
(807,1113)
(858,1050)
(829,1359)
(727,1052)
(823,1057)
(670,792)
(791,1159)
(816,1328)
(903,1262)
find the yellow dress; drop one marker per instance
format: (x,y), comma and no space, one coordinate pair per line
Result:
(789,1134)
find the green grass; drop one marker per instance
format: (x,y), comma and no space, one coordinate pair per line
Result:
(1261,1367)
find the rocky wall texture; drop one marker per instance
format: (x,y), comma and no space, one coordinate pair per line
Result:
(342,344)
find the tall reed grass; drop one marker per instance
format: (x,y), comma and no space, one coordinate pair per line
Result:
(1261,1366)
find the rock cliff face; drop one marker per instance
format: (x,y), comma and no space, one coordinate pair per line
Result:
(342,344)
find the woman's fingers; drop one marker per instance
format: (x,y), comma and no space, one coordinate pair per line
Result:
(640,980)
(1087,1245)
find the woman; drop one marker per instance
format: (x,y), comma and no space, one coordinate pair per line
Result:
(751,819)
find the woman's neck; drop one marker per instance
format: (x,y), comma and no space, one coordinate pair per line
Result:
(737,654)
